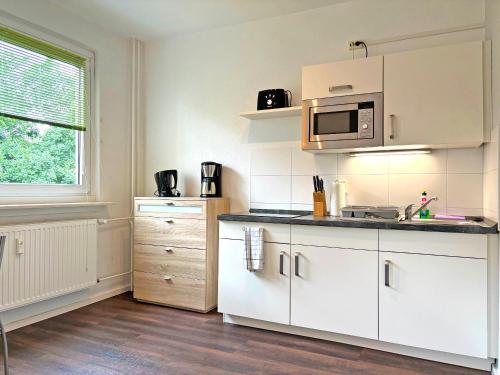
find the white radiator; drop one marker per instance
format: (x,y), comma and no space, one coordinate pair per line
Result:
(45,260)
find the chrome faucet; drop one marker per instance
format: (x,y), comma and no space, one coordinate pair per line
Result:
(408,210)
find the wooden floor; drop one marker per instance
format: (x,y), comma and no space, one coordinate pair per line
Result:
(120,336)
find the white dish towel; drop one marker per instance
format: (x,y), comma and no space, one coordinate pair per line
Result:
(254,248)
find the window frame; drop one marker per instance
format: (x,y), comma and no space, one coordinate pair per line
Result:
(85,188)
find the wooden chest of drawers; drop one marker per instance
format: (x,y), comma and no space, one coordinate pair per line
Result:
(176,251)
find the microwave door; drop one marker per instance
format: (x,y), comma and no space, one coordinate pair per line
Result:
(333,123)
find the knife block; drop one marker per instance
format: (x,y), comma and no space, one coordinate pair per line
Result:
(319,204)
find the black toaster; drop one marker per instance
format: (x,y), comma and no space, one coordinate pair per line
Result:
(273,98)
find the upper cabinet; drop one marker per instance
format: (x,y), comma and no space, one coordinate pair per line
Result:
(350,77)
(434,96)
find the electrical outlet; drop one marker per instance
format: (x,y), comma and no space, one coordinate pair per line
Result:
(353,46)
(19,246)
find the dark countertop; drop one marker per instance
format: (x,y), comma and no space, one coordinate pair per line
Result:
(305,218)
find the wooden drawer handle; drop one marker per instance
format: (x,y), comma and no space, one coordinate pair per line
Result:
(169,204)
(169,221)
(168,278)
(169,250)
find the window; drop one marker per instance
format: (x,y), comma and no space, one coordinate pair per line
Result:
(44,112)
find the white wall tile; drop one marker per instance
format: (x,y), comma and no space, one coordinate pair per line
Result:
(271,162)
(435,162)
(490,198)
(490,152)
(303,188)
(465,211)
(407,188)
(465,190)
(270,189)
(362,164)
(302,207)
(282,178)
(469,160)
(366,189)
(309,164)
(271,206)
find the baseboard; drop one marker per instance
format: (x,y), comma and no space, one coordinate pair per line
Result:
(64,309)
(454,359)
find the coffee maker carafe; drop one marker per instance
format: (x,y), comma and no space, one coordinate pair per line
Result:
(211,186)
(166,182)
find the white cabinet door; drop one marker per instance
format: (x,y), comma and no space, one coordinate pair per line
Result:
(336,290)
(263,295)
(434,96)
(350,77)
(434,302)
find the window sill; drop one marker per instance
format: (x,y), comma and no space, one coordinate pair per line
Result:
(44,206)
(39,211)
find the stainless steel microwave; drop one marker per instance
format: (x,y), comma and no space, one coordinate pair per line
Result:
(343,122)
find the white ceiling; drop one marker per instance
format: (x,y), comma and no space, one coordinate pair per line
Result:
(148,19)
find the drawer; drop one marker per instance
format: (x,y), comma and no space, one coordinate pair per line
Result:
(347,238)
(435,243)
(176,291)
(191,233)
(193,209)
(233,230)
(175,261)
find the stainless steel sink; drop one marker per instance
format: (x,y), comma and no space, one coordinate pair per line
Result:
(441,221)
(265,214)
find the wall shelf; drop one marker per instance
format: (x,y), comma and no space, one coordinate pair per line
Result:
(272,113)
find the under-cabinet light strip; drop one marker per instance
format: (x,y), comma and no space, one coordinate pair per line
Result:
(394,152)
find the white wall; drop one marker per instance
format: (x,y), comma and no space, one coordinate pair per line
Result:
(111,151)
(196,85)
(491,155)
(492,150)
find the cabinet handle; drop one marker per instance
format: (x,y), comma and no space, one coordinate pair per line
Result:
(167,278)
(282,261)
(391,124)
(297,270)
(169,221)
(169,203)
(340,87)
(387,275)
(169,250)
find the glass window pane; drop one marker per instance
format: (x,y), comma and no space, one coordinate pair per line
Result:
(32,153)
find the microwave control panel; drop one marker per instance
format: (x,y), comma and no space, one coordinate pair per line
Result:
(365,121)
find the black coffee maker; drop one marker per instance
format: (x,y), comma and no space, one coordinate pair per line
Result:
(166,182)
(211,185)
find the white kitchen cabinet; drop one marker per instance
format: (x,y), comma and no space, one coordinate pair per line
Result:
(434,96)
(350,77)
(263,295)
(335,290)
(434,302)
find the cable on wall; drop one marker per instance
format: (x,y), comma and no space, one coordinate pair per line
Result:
(361,43)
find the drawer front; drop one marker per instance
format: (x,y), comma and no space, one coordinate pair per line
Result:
(347,238)
(174,261)
(190,233)
(434,243)
(233,230)
(176,291)
(171,208)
